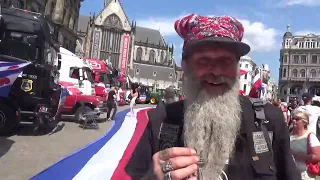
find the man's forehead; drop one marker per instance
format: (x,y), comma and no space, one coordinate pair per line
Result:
(213,52)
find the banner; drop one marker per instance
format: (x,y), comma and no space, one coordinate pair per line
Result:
(125,54)
(105,158)
(9,72)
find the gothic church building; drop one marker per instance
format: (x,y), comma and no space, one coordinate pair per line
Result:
(140,54)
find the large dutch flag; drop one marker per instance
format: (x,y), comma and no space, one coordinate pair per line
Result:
(10,68)
(106,158)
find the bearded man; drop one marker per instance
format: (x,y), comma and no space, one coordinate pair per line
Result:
(213,133)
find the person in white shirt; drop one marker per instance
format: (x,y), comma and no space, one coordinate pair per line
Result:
(312,111)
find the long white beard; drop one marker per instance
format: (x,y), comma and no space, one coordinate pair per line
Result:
(211,126)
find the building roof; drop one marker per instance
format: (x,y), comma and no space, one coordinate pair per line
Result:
(154,36)
(83,23)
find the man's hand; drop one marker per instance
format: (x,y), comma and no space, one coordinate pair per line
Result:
(175,163)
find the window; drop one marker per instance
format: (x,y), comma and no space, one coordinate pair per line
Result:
(154,73)
(244,88)
(245,76)
(296,59)
(170,75)
(303,59)
(302,73)
(151,56)
(284,72)
(246,66)
(313,73)
(294,73)
(139,54)
(285,58)
(314,59)
(80,73)
(74,73)
(162,57)
(240,65)
(137,71)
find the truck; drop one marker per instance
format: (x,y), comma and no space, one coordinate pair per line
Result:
(76,71)
(34,96)
(76,77)
(104,78)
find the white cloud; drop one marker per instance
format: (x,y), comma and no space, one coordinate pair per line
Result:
(299,2)
(260,37)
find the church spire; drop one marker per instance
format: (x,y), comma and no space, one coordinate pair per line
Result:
(107,2)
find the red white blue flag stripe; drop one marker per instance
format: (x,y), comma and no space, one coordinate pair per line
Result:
(257,87)
(105,158)
(9,72)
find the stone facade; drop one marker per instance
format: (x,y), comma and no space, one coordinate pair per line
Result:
(245,81)
(299,65)
(63,14)
(141,54)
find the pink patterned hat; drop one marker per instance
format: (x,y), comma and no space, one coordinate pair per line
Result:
(224,31)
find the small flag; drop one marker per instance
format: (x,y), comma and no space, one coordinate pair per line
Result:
(10,69)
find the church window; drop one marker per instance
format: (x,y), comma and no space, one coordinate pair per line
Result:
(139,54)
(151,56)
(162,57)
(113,21)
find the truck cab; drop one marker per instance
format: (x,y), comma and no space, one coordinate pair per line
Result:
(76,71)
(30,37)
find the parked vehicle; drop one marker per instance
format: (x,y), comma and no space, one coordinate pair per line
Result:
(75,76)
(35,94)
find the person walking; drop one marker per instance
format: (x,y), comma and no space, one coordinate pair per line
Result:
(111,104)
(134,95)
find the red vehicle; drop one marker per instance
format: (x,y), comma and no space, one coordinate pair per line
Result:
(76,104)
(103,77)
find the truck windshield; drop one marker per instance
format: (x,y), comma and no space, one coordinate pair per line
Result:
(19,45)
(87,74)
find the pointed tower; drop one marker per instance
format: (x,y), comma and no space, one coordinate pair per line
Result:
(287,38)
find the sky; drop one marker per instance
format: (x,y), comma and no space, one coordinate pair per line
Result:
(264,21)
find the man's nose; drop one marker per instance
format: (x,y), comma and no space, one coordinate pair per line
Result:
(215,70)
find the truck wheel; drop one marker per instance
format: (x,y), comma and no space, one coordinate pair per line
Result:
(8,120)
(79,113)
(153,100)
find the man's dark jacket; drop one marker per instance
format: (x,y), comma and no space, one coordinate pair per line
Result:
(245,163)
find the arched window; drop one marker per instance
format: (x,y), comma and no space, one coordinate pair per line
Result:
(294,73)
(113,21)
(161,57)
(302,73)
(151,56)
(139,54)
(313,73)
